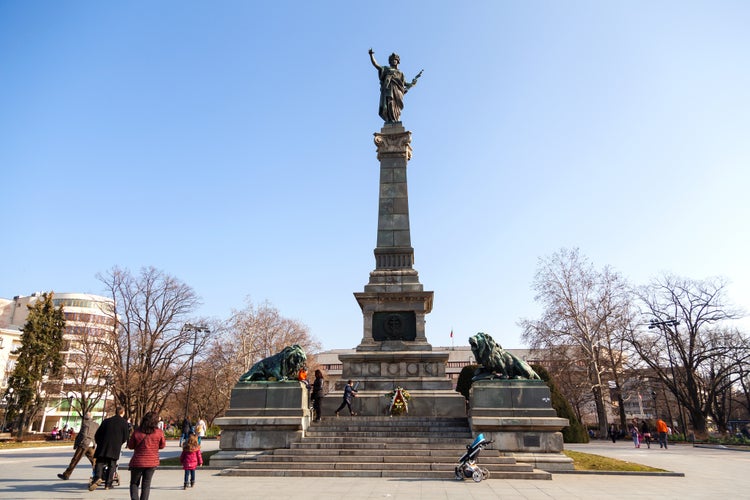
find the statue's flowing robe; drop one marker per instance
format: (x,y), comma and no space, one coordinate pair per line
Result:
(392,90)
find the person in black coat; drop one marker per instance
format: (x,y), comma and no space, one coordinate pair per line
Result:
(317,394)
(110,437)
(187,428)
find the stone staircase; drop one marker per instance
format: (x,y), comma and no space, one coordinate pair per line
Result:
(414,447)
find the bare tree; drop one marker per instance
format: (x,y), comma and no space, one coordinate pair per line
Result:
(585,309)
(85,368)
(571,375)
(250,335)
(257,332)
(150,350)
(684,346)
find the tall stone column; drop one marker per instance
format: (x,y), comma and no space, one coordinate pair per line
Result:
(394,303)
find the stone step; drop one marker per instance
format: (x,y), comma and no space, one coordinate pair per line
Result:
(404,466)
(391,436)
(396,473)
(436,455)
(317,427)
(390,439)
(406,447)
(376,445)
(378,459)
(392,421)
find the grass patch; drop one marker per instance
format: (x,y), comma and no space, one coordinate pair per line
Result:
(175,461)
(9,445)
(587,461)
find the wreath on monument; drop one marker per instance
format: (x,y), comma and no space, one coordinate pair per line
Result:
(398,401)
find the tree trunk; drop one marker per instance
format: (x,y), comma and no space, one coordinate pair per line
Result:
(601,411)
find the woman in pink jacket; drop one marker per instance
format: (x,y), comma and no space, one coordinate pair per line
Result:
(146,441)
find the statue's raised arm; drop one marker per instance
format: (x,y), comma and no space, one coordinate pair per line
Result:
(373,61)
(393,87)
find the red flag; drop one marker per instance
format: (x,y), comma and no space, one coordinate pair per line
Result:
(451,332)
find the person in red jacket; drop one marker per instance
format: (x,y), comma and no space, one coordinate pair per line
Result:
(190,459)
(146,441)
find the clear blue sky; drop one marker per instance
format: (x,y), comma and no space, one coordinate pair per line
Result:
(230,144)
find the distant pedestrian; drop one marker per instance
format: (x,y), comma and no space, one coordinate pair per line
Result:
(84,445)
(200,429)
(317,395)
(191,458)
(302,377)
(613,432)
(634,433)
(185,430)
(146,441)
(646,434)
(349,394)
(661,429)
(110,437)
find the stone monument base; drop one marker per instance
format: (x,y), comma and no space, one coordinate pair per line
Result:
(421,373)
(261,416)
(518,417)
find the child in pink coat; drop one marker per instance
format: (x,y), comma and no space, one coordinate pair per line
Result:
(190,459)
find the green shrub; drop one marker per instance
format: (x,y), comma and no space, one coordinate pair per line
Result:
(463,384)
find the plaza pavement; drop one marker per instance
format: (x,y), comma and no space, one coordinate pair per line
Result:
(708,473)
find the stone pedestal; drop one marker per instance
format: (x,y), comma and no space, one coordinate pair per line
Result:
(518,416)
(421,373)
(262,416)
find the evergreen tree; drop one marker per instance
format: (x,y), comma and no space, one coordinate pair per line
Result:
(39,357)
(463,384)
(574,432)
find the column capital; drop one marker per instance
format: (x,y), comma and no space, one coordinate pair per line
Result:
(393,145)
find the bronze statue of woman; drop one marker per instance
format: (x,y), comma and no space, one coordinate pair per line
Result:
(392,88)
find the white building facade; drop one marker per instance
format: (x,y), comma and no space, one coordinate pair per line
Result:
(87,317)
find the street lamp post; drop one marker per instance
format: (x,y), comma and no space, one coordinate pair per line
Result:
(71,396)
(663,326)
(108,380)
(195,329)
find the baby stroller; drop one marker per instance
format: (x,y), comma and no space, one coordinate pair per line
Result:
(105,474)
(467,464)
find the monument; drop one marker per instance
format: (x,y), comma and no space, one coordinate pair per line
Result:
(269,409)
(394,351)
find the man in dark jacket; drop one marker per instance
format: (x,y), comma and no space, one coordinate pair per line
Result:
(110,437)
(83,445)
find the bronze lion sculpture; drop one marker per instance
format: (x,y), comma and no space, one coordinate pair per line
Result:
(284,365)
(497,362)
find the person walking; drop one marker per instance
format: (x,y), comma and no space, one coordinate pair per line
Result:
(200,429)
(317,395)
(662,429)
(84,444)
(634,433)
(646,434)
(191,458)
(185,430)
(613,432)
(109,437)
(146,441)
(349,394)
